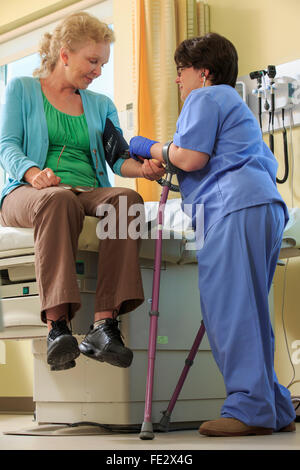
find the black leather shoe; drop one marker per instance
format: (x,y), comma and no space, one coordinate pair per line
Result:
(104,343)
(62,346)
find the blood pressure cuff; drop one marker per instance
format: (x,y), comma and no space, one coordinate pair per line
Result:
(115,146)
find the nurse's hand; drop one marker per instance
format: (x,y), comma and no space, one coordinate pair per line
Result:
(40,179)
(140,146)
(152,170)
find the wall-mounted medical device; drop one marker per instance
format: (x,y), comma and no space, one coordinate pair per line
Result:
(272,90)
(274,96)
(279,93)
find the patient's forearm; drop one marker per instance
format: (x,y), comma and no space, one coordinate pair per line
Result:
(131,169)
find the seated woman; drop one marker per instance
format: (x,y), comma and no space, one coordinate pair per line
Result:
(51,142)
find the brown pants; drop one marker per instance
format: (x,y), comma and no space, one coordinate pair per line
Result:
(56,215)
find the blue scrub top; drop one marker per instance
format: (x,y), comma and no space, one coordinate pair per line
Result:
(241,171)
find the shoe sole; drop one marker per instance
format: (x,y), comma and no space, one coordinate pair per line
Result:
(67,365)
(252,432)
(109,357)
(64,349)
(289,428)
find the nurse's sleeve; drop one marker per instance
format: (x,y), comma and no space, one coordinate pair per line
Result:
(198,123)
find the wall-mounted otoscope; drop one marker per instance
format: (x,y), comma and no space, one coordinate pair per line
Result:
(271,72)
(258,76)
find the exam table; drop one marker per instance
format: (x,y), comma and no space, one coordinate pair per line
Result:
(98,392)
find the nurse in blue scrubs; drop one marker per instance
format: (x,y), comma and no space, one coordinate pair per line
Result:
(224,164)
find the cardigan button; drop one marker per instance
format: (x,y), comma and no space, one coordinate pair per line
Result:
(101,173)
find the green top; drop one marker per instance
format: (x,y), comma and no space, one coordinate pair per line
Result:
(75,164)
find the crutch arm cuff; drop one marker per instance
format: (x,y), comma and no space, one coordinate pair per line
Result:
(165,153)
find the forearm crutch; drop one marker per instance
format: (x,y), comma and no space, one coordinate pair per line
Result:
(147,427)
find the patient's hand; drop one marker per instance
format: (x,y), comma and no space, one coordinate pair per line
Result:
(152,169)
(40,179)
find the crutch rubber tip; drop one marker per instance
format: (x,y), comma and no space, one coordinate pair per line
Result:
(164,422)
(146,433)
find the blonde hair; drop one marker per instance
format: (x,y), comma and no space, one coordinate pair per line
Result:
(71,32)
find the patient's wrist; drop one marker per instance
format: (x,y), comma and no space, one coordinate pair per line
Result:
(156,151)
(30,174)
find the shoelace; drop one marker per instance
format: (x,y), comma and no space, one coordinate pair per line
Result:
(59,327)
(111,327)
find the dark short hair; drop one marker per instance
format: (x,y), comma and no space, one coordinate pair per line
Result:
(212,52)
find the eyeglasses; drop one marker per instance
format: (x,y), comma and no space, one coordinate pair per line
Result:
(180,68)
(76,189)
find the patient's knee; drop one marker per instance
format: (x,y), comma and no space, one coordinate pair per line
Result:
(61,202)
(131,196)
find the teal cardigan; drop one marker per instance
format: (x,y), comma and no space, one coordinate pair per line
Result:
(24,133)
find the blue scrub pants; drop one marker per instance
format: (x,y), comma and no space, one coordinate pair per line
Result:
(236,268)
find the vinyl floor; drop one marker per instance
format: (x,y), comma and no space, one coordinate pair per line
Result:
(171,441)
